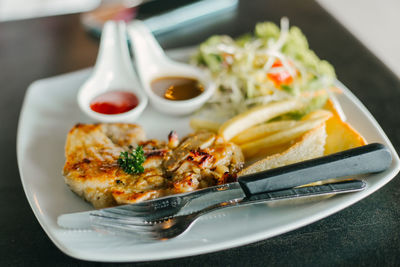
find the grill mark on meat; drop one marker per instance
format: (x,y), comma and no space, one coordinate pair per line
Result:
(201,158)
(155,152)
(196,141)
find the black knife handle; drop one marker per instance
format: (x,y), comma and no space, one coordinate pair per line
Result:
(370,158)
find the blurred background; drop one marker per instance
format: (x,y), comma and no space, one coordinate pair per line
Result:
(374,23)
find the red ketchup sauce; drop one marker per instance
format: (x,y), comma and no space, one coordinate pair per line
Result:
(114,102)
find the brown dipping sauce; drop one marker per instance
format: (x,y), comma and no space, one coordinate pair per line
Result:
(177,88)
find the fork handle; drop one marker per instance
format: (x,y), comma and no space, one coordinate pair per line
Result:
(370,158)
(287,194)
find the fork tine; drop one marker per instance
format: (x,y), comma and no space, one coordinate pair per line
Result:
(152,206)
(125,211)
(104,220)
(137,207)
(117,228)
(127,218)
(138,215)
(146,231)
(139,210)
(153,230)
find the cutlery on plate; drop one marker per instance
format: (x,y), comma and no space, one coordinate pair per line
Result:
(167,228)
(370,158)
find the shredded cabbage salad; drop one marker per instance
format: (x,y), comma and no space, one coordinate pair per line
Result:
(273,64)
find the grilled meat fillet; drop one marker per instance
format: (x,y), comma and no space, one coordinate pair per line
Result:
(91,153)
(91,170)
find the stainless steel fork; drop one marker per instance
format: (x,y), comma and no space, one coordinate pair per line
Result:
(172,205)
(174,226)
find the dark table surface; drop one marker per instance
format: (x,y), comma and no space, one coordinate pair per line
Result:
(367,233)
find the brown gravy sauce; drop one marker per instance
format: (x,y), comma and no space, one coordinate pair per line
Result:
(177,88)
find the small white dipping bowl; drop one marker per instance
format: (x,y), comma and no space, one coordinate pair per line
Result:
(152,64)
(113,72)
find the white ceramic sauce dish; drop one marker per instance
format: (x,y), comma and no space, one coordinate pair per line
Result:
(113,72)
(153,64)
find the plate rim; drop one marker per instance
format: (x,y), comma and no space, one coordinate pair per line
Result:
(213,247)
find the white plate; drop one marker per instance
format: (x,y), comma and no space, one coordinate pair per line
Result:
(50,110)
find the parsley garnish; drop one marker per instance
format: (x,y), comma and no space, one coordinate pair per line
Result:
(131,162)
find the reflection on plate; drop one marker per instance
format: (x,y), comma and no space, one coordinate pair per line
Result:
(50,110)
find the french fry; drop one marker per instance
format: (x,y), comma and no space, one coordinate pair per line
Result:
(198,124)
(262,130)
(256,116)
(252,148)
(318,114)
